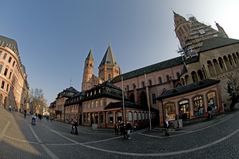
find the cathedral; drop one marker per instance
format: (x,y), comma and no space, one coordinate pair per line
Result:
(184,87)
(108,69)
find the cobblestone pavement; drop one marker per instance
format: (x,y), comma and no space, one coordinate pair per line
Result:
(217,138)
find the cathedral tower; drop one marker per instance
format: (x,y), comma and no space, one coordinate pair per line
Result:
(88,72)
(191,33)
(182,27)
(108,67)
(221,31)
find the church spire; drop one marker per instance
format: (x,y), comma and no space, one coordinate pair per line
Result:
(90,56)
(108,67)
(221,31)
(108,57)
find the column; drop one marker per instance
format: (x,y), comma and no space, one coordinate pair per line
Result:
(191,113)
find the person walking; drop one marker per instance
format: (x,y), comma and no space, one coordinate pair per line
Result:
(166,126)
(128,130)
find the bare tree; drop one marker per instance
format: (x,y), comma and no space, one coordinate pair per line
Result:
(37,101)
(233,88)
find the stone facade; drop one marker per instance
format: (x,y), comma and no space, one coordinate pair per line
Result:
(14,89)
(108,69)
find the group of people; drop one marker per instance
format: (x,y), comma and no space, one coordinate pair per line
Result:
(123,129)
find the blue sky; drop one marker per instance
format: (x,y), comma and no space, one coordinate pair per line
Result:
(55,36)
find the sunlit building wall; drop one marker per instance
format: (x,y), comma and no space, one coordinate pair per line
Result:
(13,78)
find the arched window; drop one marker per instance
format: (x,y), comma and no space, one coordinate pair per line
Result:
(170,111)
(178,75)
(200,75)
(183,81)
(194,76)
(198,108)
(211,99)
(143,99)
(150,82)
(210,68)
(183,107)
(216,65)
(134,86)
(135,116)
(139,115)
(160,80)
(168,78)
(186,79)
(131,97)
(221,63)
(230,59)
(130,116)
(235,58)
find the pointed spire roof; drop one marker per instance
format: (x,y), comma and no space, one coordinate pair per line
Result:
(221,31)
(90,55)
(108,57)
(178,19)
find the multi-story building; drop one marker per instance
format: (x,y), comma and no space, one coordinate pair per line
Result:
(14,88)
(59,105)
(73,108)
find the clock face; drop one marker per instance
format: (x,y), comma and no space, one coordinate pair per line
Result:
(202,31)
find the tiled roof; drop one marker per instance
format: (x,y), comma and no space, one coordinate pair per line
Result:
(90,55)
(148,69)
(105,89)
(216,42)
(127,104)
(108,58)
(10,43)
(188,88)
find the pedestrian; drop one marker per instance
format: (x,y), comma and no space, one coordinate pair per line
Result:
(209,111)
(25,113)
(166,126)
(10,108)
(74,125)
(128,130)
(116,127)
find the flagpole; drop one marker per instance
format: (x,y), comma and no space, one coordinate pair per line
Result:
(123,107)
(148,102)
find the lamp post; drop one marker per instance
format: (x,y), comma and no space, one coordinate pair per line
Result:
(148,102)
(123,107)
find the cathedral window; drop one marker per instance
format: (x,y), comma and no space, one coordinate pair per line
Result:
(150,82)
(5,72)
(0,68)
(10,59)
(160,80)
(3,83)
(143,85)
(4,56)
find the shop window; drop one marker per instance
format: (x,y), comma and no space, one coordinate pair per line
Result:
(211,100)
(198,108)
(183,107)
(170,111)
